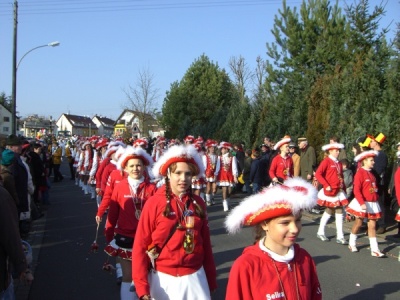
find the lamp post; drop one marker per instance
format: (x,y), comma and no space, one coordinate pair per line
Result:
(14,79)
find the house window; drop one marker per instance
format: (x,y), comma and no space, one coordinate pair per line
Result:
(6,129)
(6,119)
(135,128)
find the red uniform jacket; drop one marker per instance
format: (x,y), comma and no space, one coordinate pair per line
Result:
(397,184)
(280,166)
(154,229)
(104,176)
(365,187)
(254,276)
(121,215)
(100,170)
(329,173)
(115,177)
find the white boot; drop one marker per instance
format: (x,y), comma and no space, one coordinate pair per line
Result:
(92,192)
(126,294)
(86,189)
(374,247)
(208,199)
(321,230)
(225,204)
(118,272)
(353,242)
(339,229)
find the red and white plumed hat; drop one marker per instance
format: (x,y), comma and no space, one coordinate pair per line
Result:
(211,143)
(134,152)
(140,143)
(365,154)
(171,142)
(103,142)
(161,140)
(178,153)
(189,139)
(84,144)
(285,140)
(225,145)
(113,149)
(93,139)
(328,147)
(116,143)
(199,140)
(294,195)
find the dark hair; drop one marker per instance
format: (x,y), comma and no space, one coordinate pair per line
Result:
(248,152)
(335,138)
(345,162)
(357,147)
(259,233)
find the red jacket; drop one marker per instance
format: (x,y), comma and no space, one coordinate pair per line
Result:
(100,170)
(122,209)
(154,229)
(106,172)
(115,177)
(365,187)
(279,165)
(253,276)
(328,174)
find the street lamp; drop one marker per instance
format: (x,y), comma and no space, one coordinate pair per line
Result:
(14,80)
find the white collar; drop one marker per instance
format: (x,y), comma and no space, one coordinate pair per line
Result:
(288,257)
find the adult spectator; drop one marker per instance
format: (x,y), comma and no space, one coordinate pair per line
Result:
(246,171)
(12,257)
(56,158)
(380,166)
(20,174)
(257,171)
(239,153)
(308,159)
(396,164)
(296,159)
(7,177)
(266,156)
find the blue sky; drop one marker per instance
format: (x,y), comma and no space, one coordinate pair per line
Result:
(105,43)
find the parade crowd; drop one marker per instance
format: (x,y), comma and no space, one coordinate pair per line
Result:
(153,196)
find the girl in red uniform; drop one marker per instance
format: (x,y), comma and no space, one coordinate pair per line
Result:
(228,173)
(126,206)
(275,267)
(365,203)
(330,175)
(173,234)
(211,164)
(282,165)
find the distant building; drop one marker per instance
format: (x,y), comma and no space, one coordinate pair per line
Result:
(36,126)
(137,125)
(77,125)
(105,126)
(5,121)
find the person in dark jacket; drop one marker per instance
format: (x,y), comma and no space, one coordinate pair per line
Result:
(246,171)
(257,171)
(240,163)
(12,257)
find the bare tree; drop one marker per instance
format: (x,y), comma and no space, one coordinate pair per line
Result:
(142,98)
(259,77)
(241,74)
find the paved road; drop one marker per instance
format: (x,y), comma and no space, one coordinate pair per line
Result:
(64,268)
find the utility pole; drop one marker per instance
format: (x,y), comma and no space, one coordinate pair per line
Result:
(14,73)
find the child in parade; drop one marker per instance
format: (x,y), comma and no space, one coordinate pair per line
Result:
(173,234)
(85,164)
(332,195)
(365,203)
(397,189)
(275,267)
(281,167)
(198,182)
(228,173)
(211,164)
(128,200)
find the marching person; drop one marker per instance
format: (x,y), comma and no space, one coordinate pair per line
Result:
(365,203)
(332,195)
(126,206)
(228,173)
(173,235)
(275,267)
(211,164)
(282,164)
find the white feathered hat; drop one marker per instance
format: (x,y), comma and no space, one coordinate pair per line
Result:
(332,146)
(134,152)
(294,195)
(284,141)
(365,154)
(178,153)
